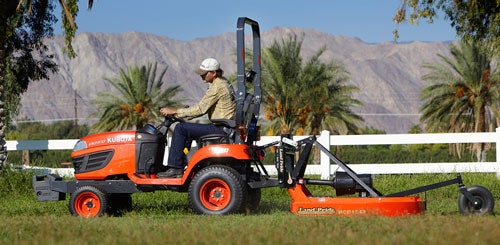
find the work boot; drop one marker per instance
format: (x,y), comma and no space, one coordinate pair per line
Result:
(171,173)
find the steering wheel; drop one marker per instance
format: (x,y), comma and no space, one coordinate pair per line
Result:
(171,119)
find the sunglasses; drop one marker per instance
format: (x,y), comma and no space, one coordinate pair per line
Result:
(204,75)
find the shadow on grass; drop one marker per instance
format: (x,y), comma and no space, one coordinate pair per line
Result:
(173,203)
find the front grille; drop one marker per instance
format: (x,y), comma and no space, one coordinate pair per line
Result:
(93,161)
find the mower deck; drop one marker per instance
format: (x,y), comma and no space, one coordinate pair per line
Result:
(305,204)
(475,200)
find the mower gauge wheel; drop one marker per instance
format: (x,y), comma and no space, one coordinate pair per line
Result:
(482,203)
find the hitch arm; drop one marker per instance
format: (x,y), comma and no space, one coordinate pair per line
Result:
(348,170)
(457,180)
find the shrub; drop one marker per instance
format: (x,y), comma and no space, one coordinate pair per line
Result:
(14,182)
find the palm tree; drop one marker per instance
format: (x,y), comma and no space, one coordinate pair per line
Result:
(341,119)
(303,98)
(136,100)
(328,98)
(281,69)
(463,95)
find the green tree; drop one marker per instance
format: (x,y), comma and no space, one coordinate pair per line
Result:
(24,24)
(303,98)
(473,20)
(415,129)
(337,117)
(328,100)
(281,68)
(463,93)
(136,100)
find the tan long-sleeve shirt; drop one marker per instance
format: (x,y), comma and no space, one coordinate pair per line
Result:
(218,102)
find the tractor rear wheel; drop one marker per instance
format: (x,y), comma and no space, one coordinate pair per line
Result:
(88,201)
(217,190)
(482,203)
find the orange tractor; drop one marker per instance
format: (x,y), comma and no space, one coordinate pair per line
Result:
(224,173)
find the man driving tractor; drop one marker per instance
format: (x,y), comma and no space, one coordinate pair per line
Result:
(218,103)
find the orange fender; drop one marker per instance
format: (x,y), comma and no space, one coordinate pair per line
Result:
(235,151)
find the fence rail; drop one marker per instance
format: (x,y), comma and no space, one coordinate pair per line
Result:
(325,168)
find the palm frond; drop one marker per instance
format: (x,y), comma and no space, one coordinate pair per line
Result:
(135,99)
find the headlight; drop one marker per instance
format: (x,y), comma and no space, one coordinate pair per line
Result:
(80,145)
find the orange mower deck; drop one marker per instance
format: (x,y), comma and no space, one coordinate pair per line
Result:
(303,203)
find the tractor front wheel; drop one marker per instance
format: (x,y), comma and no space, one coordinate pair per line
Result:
(217,190)
(88,201)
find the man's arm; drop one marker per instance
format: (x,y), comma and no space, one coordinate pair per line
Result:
(208,100)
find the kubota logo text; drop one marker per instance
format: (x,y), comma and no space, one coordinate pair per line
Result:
(121,139)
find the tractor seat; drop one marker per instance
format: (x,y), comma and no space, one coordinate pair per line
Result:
(212,139)
(229,127)
(228,123)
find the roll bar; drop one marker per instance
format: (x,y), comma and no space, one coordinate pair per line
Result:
(240,47)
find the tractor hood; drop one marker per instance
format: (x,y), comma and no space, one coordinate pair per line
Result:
(106,139)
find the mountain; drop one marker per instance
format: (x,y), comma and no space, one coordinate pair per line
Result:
(387,74)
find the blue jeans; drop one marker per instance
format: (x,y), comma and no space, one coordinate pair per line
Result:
(184,134)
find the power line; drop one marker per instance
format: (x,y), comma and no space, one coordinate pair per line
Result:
(95,118)
(56,120)
(390,114)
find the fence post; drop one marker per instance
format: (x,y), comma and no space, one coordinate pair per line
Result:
(324,139)
(497,149)
(26,157)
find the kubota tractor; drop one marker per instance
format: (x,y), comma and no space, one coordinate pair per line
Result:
(109,167)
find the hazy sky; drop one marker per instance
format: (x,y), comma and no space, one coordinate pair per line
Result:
(369,20)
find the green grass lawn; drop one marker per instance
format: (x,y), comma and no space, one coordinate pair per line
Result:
(165,217)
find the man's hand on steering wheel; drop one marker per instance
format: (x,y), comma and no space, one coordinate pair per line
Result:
(170,116)
(168,111)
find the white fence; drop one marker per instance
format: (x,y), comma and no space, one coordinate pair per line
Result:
(326,168)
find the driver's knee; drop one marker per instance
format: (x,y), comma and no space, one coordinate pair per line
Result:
(180,129)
